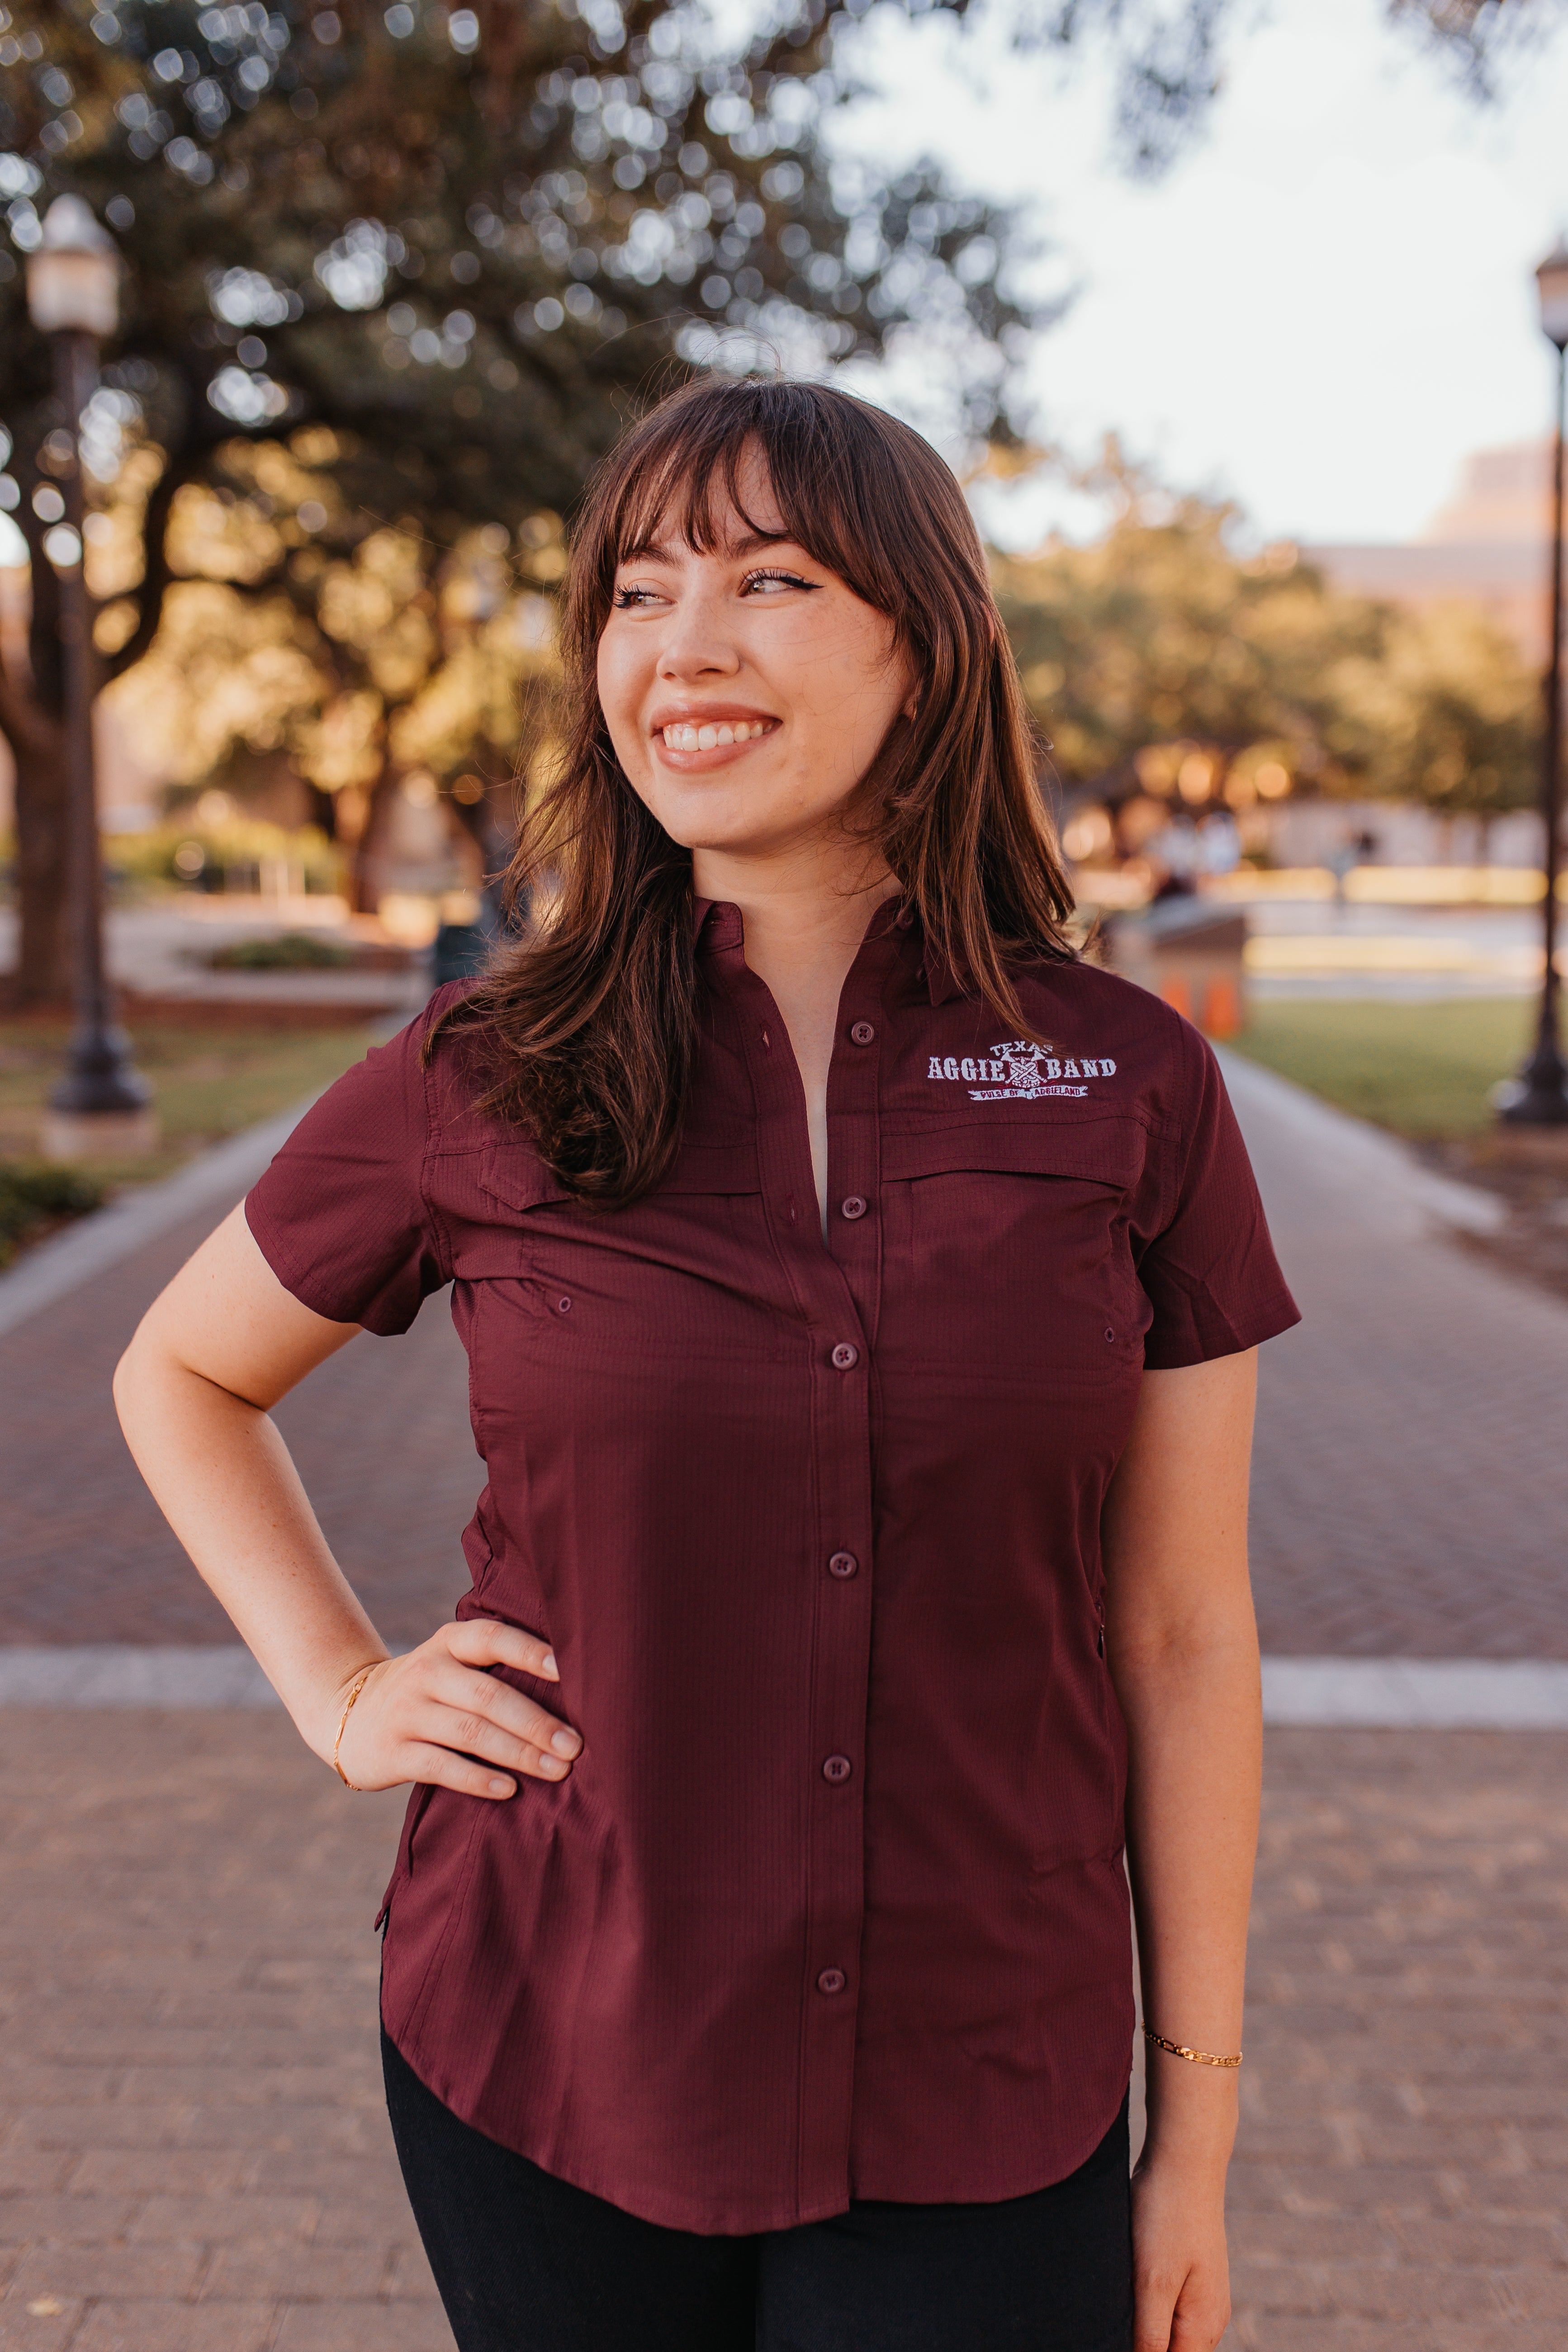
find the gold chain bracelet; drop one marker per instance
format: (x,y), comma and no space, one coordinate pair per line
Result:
(1193,2057)
(348,1709)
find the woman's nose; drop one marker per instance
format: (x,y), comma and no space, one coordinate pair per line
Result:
(697,646)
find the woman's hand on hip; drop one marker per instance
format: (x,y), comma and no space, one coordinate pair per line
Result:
(435,1714)
(1180,2268)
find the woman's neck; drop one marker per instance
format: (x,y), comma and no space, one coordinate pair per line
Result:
(803,921)
(802,910)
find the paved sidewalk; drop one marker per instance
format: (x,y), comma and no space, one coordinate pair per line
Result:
(192,2154)
(1402,2176)
(1410,1479)
(381,1435)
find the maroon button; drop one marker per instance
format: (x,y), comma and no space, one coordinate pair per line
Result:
(862,1032)
(837,1767)
(831,1981)
(843,1563)
(845,1357)
(853,1207)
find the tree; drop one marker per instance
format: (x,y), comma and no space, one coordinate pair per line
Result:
(1161,660)
(1161,635)
(368,659)
(1453,713)
(463,245)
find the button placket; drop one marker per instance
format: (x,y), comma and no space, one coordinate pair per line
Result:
(842,1686)
(834,1310)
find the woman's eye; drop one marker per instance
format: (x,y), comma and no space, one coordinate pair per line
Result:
(764,583)
(630,597)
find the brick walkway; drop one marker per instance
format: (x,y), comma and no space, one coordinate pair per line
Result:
(1410,1480)
(193,2159)
(88,1557)
(1411,1484)
(192,2154)
(1402,2176)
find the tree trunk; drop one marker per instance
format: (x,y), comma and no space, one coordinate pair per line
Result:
(368,858)
(43,963)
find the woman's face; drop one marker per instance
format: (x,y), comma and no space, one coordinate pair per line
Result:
(746,690)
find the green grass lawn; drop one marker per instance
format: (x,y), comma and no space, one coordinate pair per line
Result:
(209,1080)
(1423,1070)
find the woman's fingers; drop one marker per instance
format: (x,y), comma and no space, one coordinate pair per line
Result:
(470,1733)
(433,1715)
(425,1761)
(486,1641)
(510,1711)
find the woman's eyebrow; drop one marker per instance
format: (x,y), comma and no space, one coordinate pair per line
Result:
(753,542)
(646,550)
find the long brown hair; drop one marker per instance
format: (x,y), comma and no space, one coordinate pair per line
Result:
(589,1025)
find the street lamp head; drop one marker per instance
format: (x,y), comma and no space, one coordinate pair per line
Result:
(1552,278)
(73,275)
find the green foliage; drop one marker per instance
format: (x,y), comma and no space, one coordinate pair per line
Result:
(1425,1070)
(33,1196)
(288,951)
(395,278)
(215,1067)
(1160,634)
(1450,713)
(240,848)
(465,240)
(1161,640)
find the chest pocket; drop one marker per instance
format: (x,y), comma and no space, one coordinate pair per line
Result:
(656,1281)
(1008,1248)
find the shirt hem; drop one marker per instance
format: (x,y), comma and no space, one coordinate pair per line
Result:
(702,2219)
(1282,1315)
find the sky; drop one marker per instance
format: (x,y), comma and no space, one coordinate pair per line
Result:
(1319,312)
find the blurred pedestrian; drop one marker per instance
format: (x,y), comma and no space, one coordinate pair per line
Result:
(860,1295)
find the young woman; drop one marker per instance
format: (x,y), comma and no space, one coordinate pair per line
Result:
(860,1295)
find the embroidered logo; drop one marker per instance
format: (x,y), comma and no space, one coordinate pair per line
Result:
(1020,1071)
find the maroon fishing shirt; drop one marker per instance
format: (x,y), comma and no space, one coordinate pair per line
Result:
(832,1904)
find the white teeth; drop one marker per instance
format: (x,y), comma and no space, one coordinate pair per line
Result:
(684,737)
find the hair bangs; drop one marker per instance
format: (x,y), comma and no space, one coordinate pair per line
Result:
(691,484)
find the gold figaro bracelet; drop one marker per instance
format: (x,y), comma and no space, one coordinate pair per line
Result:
(348,1709)
(1180,2050)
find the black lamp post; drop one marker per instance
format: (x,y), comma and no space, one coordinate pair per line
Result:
(1539,1095)
(102,1102)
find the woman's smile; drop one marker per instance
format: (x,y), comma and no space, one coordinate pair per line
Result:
(697,737)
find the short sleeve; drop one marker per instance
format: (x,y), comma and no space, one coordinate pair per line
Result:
(1209,1270)
(341,1215)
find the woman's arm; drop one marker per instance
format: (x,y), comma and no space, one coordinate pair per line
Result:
(1182,1645)
(195,1390)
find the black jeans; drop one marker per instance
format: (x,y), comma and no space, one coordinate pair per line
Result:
(529,2264)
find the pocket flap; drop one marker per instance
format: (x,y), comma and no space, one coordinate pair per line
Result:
(1100,1150)
(514,1172)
